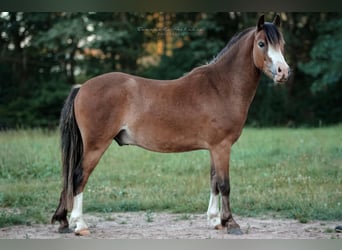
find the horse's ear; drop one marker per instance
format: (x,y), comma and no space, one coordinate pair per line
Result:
(276,20)
(261,22)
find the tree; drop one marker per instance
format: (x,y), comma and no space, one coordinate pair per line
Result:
(43,54)
(325,64)
(195,40)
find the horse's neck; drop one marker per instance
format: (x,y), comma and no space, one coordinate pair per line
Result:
(238,77)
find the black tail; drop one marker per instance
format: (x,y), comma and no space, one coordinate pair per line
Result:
(72,150)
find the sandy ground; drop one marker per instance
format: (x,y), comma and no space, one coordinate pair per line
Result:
(145,225)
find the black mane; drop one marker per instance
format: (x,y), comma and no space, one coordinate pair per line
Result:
(230,43)
(273,36)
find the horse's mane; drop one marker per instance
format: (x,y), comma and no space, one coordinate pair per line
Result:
(230,43)
(273,36)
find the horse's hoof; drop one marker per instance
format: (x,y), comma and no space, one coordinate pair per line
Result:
(234,231)
(82,232)
(64,230)
(219,227)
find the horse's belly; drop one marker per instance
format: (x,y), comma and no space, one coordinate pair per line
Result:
(158,139)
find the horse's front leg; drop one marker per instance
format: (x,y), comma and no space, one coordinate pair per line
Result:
(213,213)
(220,179)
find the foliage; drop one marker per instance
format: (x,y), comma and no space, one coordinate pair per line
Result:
(202,43)
(43,54)
(270,107)
(293,173)
(326,56)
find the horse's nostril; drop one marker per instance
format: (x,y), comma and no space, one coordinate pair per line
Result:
(279,70)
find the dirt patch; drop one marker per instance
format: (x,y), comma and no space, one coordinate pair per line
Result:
(146,225)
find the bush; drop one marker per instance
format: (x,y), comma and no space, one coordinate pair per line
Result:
(39,107)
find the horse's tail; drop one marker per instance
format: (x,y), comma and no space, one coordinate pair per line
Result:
(72,150)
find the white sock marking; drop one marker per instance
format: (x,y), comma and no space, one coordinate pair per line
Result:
(76,216)
(213,213)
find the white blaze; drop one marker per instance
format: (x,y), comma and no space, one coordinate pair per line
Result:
(276,56)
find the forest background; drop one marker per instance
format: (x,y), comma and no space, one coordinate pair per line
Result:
(43,54)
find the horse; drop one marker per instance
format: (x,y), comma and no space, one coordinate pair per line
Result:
(205,109)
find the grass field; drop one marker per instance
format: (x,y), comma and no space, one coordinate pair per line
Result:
(294,173)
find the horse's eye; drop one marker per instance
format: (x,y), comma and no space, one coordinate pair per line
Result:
(261,44)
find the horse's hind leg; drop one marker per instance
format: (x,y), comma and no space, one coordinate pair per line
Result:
(91,156)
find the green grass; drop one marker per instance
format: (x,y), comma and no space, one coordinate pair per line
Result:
(293,173)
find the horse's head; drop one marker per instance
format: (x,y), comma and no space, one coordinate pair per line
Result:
(268,50)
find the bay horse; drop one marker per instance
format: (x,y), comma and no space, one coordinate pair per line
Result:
(204,109)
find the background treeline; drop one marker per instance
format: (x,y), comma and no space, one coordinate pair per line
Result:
(43,54)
